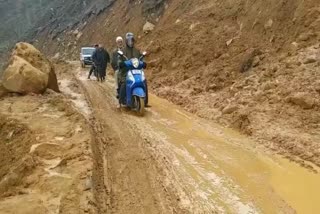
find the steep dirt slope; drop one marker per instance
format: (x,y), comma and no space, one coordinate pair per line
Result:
(252,65)
(248,64)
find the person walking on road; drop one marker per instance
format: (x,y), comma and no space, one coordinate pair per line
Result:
(101,59)
(93,68)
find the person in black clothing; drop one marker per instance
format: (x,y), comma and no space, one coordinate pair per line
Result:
(101,59)
(92,69)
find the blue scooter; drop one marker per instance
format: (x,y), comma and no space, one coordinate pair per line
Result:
(135,85)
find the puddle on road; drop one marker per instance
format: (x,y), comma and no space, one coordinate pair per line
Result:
(78,99)
(228,172)
(224,169)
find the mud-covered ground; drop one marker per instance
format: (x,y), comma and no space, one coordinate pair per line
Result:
(76,152)
(45,154)
(248,65)
(173,161)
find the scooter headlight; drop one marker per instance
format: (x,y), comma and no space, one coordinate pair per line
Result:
(135,62)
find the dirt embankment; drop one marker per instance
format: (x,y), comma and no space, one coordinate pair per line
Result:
(251,66)
(45,155)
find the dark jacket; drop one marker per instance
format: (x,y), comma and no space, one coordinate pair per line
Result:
(101,58)
(115,59)
(129,53)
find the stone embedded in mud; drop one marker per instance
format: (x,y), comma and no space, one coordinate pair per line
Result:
(304,37)
(230,109)
(241,121)
(248,60)
(148,27)
(75,32)
(268,85)
(268,24)
(197,90)
(28,70)
(211,87)
(88,184)
(290,64)
(56,56)
(310,60)
(229,42)
(272,39)
(174,64)
(303,100)
(79,35)
(256,61)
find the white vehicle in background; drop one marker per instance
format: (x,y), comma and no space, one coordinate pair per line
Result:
(86,56)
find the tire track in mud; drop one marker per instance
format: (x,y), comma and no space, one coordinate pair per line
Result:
(127,177)
(100,190)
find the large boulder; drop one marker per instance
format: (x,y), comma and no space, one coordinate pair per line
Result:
(25,64)
(22,77)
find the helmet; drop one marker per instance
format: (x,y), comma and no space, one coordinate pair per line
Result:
(130,39)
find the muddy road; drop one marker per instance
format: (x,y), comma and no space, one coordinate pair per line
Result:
(170,161)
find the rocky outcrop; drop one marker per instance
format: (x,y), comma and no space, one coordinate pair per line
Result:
(29,71)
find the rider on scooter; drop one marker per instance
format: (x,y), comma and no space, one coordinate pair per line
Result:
(130,52)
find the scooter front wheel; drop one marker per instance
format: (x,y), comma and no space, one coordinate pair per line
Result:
(140,105)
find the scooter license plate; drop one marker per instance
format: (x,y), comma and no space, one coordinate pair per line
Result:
(136,71)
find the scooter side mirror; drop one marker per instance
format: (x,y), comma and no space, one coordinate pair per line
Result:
(120,53)
(144,53)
